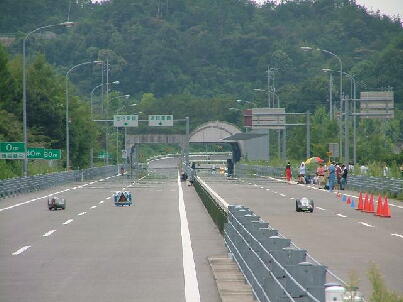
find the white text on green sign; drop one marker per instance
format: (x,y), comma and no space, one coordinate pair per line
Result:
(12,150)
(161,120)
(52,154)
(125,120)
(34,153)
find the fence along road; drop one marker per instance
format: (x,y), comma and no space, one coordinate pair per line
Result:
(94,251)
(336,235)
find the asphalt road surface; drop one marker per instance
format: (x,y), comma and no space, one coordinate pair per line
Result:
(344,239)
(155,250)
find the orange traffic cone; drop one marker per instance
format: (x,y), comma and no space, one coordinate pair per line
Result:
(365,209)
(371,204)
(386,209)
(349,200)
(360,206)
(379,206)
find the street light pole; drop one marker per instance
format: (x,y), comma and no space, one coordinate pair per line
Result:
(330,91)
(67,109)
(24,86)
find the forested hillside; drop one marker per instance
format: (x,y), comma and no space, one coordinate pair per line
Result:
(196,57)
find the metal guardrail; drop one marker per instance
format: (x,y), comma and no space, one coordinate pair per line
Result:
(275,270)
(273,265)
(20,185)
(391,186)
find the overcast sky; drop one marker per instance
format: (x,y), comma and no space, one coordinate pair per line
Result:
(387,7)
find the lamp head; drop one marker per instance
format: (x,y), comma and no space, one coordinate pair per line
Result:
(127,96)
(116,82)
(326,70)
(68,24)
(306,48)
(97,62)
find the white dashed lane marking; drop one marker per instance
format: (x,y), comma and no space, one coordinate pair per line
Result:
(341,215)
(322,209)
(21,250)
(68,221)
(108,197)
(93,207)
(82,213)
(366,224)
(48,233)
(101,202)
(281,194)
(397,235)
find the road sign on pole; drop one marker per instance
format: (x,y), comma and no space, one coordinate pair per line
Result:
(334,149)
(377,104)
(52,154)
(126,120)
(160,120)
(12,150)
(35,153)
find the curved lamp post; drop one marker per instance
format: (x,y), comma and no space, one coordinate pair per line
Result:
(307,48)
(24,84)
(67,109)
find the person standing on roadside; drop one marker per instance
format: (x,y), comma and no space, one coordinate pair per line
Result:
(288,173)
(343,181)
(301,175)
(320,172)
(339,172)
(332,176)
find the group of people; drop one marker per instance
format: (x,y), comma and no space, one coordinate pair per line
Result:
(326,177)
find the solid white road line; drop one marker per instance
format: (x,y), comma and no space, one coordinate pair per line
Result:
(192,293)
(21,250)
(93,207)
(341,215)
(366,224)
(322,209)
(397,235)
(48,233)
(68,221)
(82,213)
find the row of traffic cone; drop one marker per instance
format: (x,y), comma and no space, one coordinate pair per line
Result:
(366,204)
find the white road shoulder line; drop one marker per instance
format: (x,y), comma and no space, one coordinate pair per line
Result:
(82,213)
(397,235)
(192,293)
(366,224)
(21,250)
(48,233)
(341,215)
(322,209)
(68,221)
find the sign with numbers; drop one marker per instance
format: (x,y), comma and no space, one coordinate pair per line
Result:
(35,153)
(12,150)
(126,120)
(160,120)
(52,154)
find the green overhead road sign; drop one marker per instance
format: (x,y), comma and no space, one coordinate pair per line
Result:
(160,120)
(125,120)
(12,150)
(35,153)
(103,155)
(52,154)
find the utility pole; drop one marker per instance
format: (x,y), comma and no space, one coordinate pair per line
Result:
(331,95)
(107,100)
(187,143)
(308,135)
(346,133)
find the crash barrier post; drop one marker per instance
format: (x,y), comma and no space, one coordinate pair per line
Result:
(18,185)
(216,212)
(275,270)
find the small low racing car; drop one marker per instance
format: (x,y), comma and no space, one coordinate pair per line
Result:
(122,198)
(304,205)
(55,203)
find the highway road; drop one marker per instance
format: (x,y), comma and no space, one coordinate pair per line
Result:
(155,250)
(344,239)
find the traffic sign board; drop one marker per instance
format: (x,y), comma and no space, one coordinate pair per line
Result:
(52,154)
(125,120)
(161,120)
(12,150)
(34,153)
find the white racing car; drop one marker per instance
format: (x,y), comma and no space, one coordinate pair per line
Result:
(304,205)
